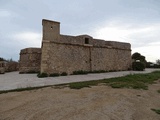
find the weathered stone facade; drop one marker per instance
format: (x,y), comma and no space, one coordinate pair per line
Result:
(30,59)
(63,53)
(11,66)
(2,67)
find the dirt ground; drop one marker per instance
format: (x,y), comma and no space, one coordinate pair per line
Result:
(96,103)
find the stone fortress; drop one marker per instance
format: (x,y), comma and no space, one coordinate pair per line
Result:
(63,53)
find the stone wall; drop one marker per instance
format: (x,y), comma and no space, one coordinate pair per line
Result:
(110,59)
(68,58)
(64,53)
(65,58)
(11,66)
(30,59)
(2,67)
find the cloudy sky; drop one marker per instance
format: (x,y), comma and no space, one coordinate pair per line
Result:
(133,21)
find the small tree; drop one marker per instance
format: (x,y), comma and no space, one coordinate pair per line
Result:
(136,56)
(139,62)
(138,66)
(2,59)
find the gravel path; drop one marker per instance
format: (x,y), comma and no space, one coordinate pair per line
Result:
(15,80)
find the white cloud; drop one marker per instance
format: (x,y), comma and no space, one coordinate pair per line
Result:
(143,38)
(150,52)
(28,39)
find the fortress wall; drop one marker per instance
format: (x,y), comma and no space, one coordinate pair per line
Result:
(120,45)
(51,31)
(75,40)
(62,57)
(64,53)
(110,59)
(30,59)
(66,58)
(99,43)
(80,40)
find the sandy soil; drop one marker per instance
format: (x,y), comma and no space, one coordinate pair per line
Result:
(96,103)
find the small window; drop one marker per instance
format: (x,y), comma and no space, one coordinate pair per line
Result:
(86,40)
(51,27)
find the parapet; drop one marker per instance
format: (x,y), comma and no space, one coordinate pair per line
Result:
(90,41)
(51,33)
(49,21)
(30,50)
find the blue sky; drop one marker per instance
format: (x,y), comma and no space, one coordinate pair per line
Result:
(133,21)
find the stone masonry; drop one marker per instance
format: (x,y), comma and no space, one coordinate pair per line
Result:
(63,53)
(2,67)
(30,59)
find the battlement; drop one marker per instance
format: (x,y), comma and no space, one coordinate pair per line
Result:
(30,50)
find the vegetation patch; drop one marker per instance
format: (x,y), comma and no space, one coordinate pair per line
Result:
(80,72)
(63,74)
(98,71)
(156,110)
(138,66)
(158,91)
(42,75)
(135,81)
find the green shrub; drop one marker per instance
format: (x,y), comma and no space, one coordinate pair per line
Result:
(156,110)
(112,70)
(98,71)
(138,66)
(80,72)
(42,75)
(64,74)
(54,75)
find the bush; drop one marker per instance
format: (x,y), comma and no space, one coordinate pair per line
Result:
(98,71)
(54,75)
(138,66)
(80,72)
(64,74)
(42,75)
